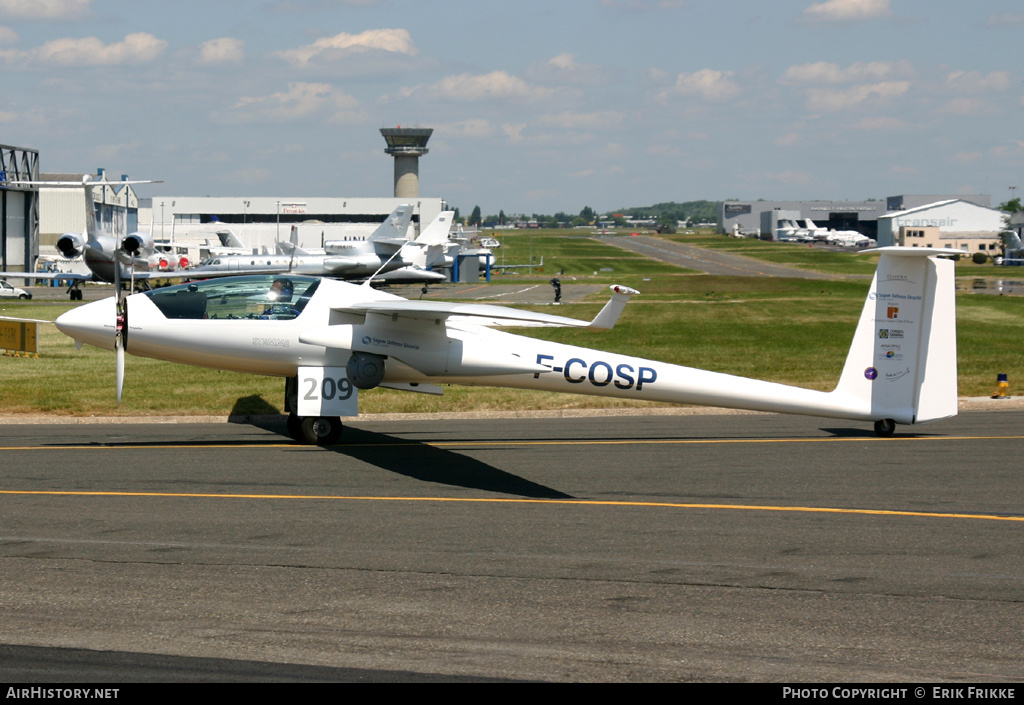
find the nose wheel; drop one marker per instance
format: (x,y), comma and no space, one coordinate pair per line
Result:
(884,428)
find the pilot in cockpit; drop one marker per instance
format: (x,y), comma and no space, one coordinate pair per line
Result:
(281,290)
(279,298)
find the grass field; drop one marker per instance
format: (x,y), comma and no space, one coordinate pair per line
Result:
(792,331)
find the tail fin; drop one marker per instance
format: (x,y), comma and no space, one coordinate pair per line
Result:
(428,249)
(395,226)
(437,232)
(902,363)
(229,239)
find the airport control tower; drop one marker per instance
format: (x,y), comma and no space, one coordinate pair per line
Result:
(406,145)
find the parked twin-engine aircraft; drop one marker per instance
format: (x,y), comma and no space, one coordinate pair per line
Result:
(331,338)
(136,254)
(836,237)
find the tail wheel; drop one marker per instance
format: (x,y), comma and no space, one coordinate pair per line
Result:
(320,430)
(885,427)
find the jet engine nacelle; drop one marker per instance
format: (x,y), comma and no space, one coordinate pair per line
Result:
(71,245)
(365,370)
(135,243)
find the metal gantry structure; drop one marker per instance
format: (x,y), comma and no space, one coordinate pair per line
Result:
(19,208)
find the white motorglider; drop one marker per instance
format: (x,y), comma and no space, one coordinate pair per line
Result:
(330,338)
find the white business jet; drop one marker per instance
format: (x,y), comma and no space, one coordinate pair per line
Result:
(329,339)
(846,238)
(386,251)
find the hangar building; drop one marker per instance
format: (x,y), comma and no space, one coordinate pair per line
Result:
(862,216)
(954,224)
(262,221)
(19,209)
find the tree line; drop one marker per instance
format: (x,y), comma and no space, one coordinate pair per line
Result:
(665,215)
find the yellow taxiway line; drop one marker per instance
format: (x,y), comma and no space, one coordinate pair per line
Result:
(510,500)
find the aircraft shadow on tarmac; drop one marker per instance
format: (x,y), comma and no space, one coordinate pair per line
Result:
(869,433)
(413,459)
(428,463)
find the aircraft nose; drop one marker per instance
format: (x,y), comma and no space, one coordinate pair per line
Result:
(91,323)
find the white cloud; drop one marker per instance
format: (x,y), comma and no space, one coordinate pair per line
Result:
(565,69)
(824,72)
(709,84)
(975,82)
(340,46)
(832,99)
(494,85)
(514,131)
(139,47)
(845,10)
(301,100)
(222,50)
(788,140)
(7,35)
(45,9)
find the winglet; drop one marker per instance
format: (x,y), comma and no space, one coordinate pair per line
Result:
(609,315)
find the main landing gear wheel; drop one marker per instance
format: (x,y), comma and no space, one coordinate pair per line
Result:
(885,427)
(319,430)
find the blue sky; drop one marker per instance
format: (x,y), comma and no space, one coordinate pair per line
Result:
(536,106)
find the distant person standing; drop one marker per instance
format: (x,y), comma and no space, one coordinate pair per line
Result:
(557,284)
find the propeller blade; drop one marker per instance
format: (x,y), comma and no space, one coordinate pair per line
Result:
(120,372)
(120,326)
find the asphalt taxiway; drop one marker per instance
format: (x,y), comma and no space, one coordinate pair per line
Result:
(651,548)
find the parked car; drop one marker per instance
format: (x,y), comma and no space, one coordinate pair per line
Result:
(13,292)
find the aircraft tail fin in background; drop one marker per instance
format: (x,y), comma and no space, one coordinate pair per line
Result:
(437,232)
(902,362)
(395,226)
(428,249)
(229,239)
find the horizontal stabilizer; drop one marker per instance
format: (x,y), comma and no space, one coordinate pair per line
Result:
(491,315)
(609,315)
